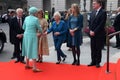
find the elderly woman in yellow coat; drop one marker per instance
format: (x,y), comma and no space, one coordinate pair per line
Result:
(43,42)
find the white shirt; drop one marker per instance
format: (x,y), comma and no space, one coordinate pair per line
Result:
(118,13)
(98,10)
(20,21)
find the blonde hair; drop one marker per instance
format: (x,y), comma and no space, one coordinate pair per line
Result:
(68,14)
(57,14)
(19,10)
(41,12)
(76,7)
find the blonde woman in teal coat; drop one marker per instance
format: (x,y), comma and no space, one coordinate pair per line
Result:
(30,39)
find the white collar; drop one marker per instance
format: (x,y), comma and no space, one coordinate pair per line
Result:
(118,13)
(98,9)
(18,17)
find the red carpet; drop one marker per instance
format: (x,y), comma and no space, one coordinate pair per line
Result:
(108,76)
(51,71)
(118,71)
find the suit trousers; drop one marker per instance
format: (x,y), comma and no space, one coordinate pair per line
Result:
(58,44)
(18,50)
(118,40)
(96,49)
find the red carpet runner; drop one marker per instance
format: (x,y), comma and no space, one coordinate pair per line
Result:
(51,71)
(118,71)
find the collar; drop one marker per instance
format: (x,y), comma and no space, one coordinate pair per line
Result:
(98,9)
(18,17)
(118,13)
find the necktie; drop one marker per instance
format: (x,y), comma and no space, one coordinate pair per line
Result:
(19,21)
(96,13)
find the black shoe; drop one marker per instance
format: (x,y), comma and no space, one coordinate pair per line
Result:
(91,64)
(118,47)
(13,57)
(74,62)
(97,65)
(17,61)
(104,49)
(39,60)
(64,58)
(23,62)
(78,63)
(58,62)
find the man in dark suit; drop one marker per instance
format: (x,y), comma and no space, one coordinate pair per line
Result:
(16,32)
(117,28)
(97,32)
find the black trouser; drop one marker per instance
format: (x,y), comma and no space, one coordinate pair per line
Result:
(76,51)
(18,50)
(118,40)
(96,49)
(58,44)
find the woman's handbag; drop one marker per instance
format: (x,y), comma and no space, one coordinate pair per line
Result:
(87,31)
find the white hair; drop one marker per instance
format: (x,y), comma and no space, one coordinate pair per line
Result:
(57,14)
(19,10)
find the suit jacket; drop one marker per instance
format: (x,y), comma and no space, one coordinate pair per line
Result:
(62,28)
(117,23)
(97,23)
(15,29)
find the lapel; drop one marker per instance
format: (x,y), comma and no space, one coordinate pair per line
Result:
(17,24)
(94,16)
(98,13)
(23,20)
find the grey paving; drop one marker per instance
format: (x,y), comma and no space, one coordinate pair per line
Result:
(85,57)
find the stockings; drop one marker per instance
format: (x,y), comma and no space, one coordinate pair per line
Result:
(76,52)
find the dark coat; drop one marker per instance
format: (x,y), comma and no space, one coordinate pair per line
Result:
(97,23)
(15,29)
(117,23)
(78,33)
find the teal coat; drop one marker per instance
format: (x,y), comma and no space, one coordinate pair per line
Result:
(30,39)
(78,33)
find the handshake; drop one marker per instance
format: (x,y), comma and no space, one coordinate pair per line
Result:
(42,34)
(45,33)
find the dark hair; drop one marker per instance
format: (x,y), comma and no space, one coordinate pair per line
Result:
(99,2)
(12,12)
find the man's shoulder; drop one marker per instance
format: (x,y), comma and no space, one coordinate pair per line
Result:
(103,10)
(118,15)
(13,19)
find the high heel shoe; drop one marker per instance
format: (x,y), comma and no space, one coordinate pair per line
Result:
(37,70)
(28,67)
(38,60)
(64,58)
(74,62)
(78,63)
